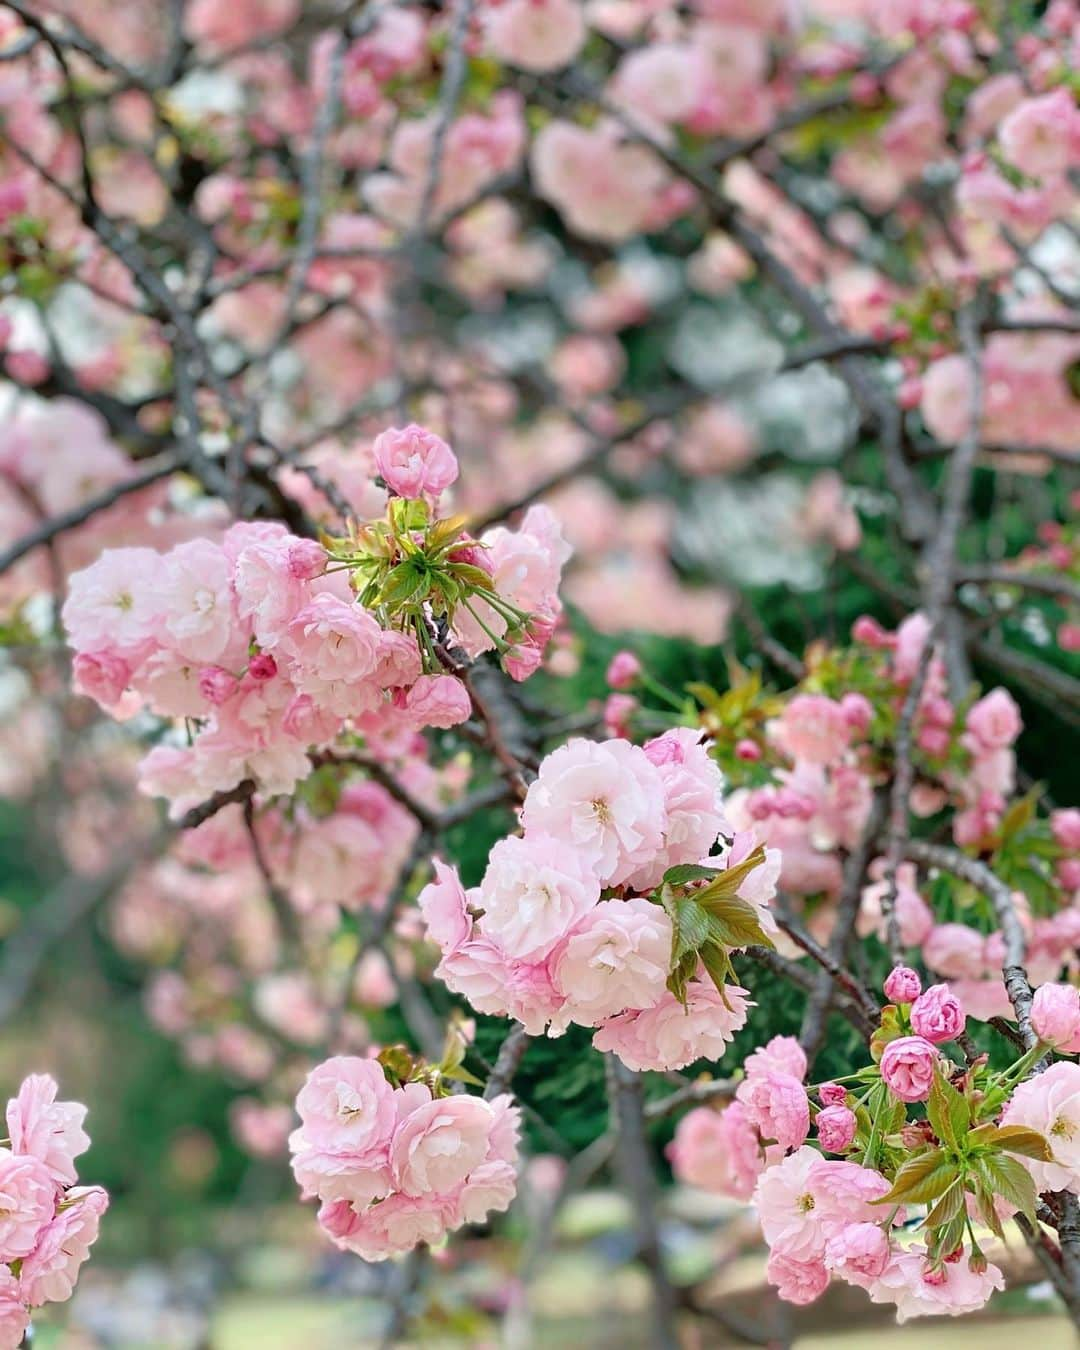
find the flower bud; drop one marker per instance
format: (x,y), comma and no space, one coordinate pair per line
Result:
(836,1128)
(623,670)
(262,667)
(414,462)
(1055,1013)
(832,1094)
(937,1015)
(907,1068)
(217,686)
(902,985)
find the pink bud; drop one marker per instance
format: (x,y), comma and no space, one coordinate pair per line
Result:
(217,686)
(747,750)
(832,1094)
(306,559)
(262,667)
(623,670)
(1055,1013)
(836,1128)
(858,711)
(618,711)
(27,367)
(902,985)
(866,629)
(907,1068)
(414,462)
(937,1015)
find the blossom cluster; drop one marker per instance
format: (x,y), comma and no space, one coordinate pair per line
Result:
(47,1221)
(397,1165)
(985,1144)
(577,920)
(258,638)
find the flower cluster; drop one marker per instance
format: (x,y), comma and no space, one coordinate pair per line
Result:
(979,1147)
(608,910)
(260,641)
(47,1222)
(396,1161)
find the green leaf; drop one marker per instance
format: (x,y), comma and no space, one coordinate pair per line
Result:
(1019,1139)
(727,882)
(922,1179)
(687,872)
(735,923)
(1011,1180)
(404,582)
(948,1207)
(948,1112)
(690,929)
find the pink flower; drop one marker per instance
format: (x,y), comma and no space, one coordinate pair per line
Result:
(669,1036)
(623,670)
(115,604)
(436,1146)
(438,701)
(1042,135)
(951,1291)
(783,1054)
(812,729)
(346,1106)
(1066,827)
(618,710)
(49,1273)
(217,686)
(832,1094)
(414,462)
(798,1282)
(718,1151)
(995,720)
(778,1106)
(444,905)
(332,642)
(858,1253)
(955,950)
(533,893)
(27,1203)
(1055,1013)
(536,35)
(102,676)
(836,1128)
(14,1314)
(907,1068)
(605,801)
(1050,1104)
(616,959)
(902,985)
(392,1227)
(48,1130)
(937,1016)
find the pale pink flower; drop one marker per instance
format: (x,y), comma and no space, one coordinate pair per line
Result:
(937,1015)
(536,35)
(669,1036)
(533,893)
(995,720)
(604,801)
(1049,1103)
(794,1204)
(332,642)
(27,1203)
(219,27)
(392,1227)
(616,959)
(782,1054)
(795,1281)
(346,1106)
(813,729)
(438,701)
(102,676)
(1055,1013)
(48,1130)
(14,1314)
(907,1068)
(445,908)
(952,1291)
(955,950)
(195,593)
(858,1253)
(718,1151)
(49,1273)
(414,462)
(1041,136)
(778,1106)
(115,603)
(436,1146)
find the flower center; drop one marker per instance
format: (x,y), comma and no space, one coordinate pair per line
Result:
(805,1203)
(124,601)
(601,810)
(1063,1128)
